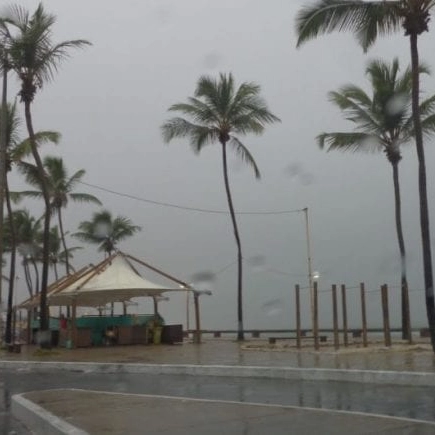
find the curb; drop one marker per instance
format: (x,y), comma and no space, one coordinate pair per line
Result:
(39,420)
(307,374)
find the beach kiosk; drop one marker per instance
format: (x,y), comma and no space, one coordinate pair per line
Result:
(114,280)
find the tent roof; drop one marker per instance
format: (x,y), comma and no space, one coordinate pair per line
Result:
(113,280)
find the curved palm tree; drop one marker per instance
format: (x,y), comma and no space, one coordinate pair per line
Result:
(16,151)
(367,19)
(217,114)
(35,59)
(60,189)
(106,231)
(383,122)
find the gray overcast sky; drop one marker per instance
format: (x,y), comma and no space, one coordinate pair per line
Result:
(109,101)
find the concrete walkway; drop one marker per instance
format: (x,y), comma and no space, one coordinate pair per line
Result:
(88,412)
(419,357)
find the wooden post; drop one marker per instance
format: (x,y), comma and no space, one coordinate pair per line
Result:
(124,309)
(344,309)
(363,315)
(335,317)
(298,316)
(315,317)
(385,315)
(405,295)
(73,324)
(14,325)
(197,337)
(156,308)
(29,327)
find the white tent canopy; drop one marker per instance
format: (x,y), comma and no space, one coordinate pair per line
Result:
(113,280)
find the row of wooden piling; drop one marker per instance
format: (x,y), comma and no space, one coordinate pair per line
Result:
(335,317)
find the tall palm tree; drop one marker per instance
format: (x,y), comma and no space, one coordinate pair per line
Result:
(35,59)
(367,19)
(16,151)
(218,113)
(106,231)
(60,189)
(383,122)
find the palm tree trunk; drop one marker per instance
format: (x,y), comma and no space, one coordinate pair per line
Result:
(240,334)
(56,275)
(406,321)
(46,236)
(8,334)
(424,211)
(35,268)
(28,277)
(3,145)
(62,237)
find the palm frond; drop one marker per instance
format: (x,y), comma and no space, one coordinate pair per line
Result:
(244,154)
(428,125)
(208,89)
(85,197)
(199,135)
(17,197)
(23,149)
(366,19)
(197,110)
(350,142)
(47,65)
(353,111)
(30,172)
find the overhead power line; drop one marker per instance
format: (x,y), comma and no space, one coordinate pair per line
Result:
(181,207)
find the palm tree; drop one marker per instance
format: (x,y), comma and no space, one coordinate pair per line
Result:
(16,151)
(35,59)
(60,189)
(106,231)
(383,123)
(219,112)
(28,238)
(57,256)
(367,19)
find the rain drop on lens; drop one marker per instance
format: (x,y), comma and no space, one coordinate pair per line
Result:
(273,307)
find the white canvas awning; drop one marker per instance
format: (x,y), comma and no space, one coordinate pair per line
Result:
(115,280)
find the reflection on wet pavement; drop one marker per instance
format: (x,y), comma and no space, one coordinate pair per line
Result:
(411,402)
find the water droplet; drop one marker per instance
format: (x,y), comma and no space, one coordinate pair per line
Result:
(203,280)
(397,104)
(273,307)
(257,262)
(102,230)
(212,60)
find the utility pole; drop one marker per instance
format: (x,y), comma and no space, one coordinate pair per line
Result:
(310,268)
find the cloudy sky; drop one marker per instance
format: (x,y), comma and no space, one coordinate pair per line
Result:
(109,101)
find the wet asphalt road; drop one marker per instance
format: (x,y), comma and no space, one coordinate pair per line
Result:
(411,402)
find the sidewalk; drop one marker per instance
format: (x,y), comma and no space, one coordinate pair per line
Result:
(99,413)
(113,414)
(418,357)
